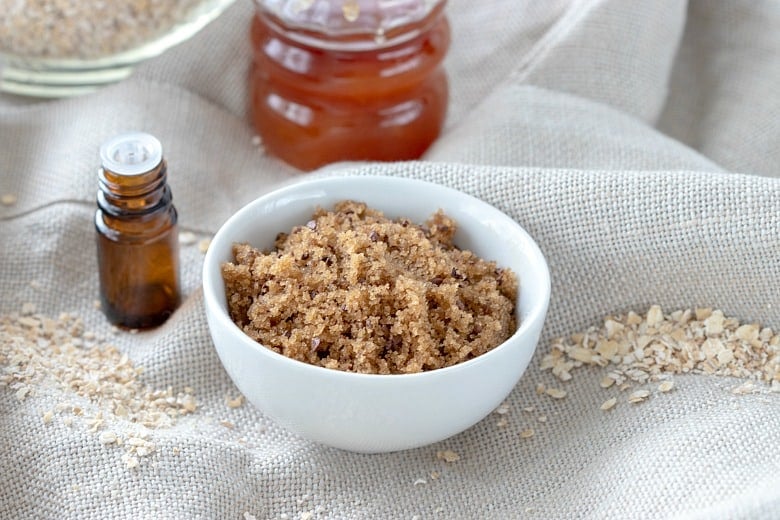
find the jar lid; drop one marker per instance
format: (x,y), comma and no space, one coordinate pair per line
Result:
(345,18)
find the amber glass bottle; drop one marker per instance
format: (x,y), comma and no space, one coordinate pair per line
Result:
(137,234)
(340,80)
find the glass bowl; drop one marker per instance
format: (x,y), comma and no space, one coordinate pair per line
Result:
(80,49)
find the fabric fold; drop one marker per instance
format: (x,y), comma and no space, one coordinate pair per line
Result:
(615,241)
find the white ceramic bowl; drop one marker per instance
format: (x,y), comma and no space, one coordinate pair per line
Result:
(377,413)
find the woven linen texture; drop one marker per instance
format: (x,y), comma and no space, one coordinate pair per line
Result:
(635,141)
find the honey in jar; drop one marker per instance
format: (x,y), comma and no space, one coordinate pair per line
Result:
(336,80)
(137,233)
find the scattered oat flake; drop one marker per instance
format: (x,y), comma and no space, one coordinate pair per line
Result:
(307,515)
(203,245)
(188,404)
(22,393)
(227,424)
(666,386)
(502,422)
(540,388)
(8,199)
(529,409)
(435,475)
(131,461)
(235,402)
(29,322)
(654,315)
(556,393)
(609,404)
(638,396)
(725,357)
(108,437)
(45,354)
(542,418)
(503,409)
(249,516)
(748,387)
(447,456)
(187,238)
(420,482)
(137,441)
(527,433)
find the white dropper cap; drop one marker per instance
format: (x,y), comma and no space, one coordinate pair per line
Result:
(131,154)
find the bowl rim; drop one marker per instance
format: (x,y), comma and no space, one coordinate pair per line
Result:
(536,313)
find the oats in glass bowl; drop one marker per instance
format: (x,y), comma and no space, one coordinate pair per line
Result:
(55,48)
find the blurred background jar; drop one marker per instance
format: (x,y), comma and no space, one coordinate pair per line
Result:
(336,80)
(58,48)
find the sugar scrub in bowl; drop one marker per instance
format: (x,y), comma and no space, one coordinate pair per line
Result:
(57,48)
(374,314)
(336,80)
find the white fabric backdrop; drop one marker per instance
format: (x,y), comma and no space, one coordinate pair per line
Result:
(636,141)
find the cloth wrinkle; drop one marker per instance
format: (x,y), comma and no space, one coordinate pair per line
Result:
(636,142)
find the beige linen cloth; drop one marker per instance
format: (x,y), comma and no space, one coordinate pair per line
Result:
(638,142)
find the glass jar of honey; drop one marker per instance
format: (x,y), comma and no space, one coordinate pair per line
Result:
(336,80)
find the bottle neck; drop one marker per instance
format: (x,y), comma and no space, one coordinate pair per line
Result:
(129,195)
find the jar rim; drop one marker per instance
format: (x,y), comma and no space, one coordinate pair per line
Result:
(353,23)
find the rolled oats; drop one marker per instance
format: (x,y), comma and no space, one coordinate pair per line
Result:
(609,404)
(648,349)
(503,409)
(187,238)
(447,456)
(235,402)
(41,355)
(638,396)
(556,393)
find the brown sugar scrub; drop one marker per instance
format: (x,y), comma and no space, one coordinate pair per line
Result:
(353,290)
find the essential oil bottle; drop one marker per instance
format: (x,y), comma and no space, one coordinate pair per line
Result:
(137,233)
